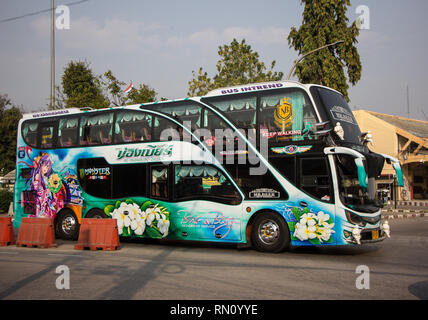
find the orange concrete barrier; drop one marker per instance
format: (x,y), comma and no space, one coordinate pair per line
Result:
(36,232)
(6,232)
(98,234)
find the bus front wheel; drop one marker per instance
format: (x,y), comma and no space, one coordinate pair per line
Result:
(67,225)
(270,233)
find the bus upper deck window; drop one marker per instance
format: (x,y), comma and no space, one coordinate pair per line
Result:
(241,110)
(286,115)
(67,132)
(96,129)
(132,126)
(29,132)
(47,136)
(186,112)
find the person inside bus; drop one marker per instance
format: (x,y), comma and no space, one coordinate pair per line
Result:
(104,138)
(126,135)
(267,125)
(144,134)
(86,138)
(159,188)
(66,141)
(31,139)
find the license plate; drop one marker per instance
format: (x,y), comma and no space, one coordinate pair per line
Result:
(375,234)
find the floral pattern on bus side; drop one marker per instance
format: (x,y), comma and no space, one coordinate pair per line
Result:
(314,227)
(148,219)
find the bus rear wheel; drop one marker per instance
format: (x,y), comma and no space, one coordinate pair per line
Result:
(96,214)
(270,233)
(67,225)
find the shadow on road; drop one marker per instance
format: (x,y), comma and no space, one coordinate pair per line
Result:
(419,289)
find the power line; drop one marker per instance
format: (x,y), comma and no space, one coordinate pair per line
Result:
(40,11)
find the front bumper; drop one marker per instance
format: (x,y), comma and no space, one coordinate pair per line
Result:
(367,236)
(372,235)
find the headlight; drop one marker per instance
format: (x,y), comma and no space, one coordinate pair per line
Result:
(355,219)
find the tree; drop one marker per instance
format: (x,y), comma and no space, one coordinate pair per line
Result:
(113,90)
(81,87)
(9,118)
(325,22)
(238,64)
(142,94)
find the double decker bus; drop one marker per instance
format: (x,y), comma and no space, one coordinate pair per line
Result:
(265,165)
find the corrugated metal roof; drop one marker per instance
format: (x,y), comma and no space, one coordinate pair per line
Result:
(10,176)
(418,128)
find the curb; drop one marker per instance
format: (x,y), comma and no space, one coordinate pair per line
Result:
(404,214)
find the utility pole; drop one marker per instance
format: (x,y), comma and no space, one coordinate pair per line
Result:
(52,100)
(408,103)
(296,62)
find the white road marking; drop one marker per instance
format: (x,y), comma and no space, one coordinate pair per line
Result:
(65,255)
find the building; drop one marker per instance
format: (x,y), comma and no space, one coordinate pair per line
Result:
(8,180)
(405,139)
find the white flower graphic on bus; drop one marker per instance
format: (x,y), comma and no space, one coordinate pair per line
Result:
(149,219)
(314,227)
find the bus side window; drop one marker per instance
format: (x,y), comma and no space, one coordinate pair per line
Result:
(284,112)
(129,180)
(240,109)
(67,132)
(47,135)
(263,186)
(96,129)
(95,177)
(315,178)
(286,165)
(132,126)
(186,112)
(200,181)
(159,182)
(166,130)
(29,132)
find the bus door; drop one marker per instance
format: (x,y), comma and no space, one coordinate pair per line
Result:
(311,173)
(314,177)
(205,203)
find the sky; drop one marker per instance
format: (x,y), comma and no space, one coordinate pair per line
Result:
(160,43)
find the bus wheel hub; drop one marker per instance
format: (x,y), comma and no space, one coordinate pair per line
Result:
(268,232)
(68,224)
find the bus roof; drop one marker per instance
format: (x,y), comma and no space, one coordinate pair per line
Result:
(251,87)
(67,111)
(260,87)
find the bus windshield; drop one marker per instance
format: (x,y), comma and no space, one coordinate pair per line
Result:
(338,111)
(352,194)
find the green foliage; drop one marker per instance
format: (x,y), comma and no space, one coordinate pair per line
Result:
(238,64)
(200,84)
(325,22)
(81,87)
(9,118)
(113,88)
(6,198)
(142,94)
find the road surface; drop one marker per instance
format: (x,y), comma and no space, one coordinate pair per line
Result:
(396,268)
